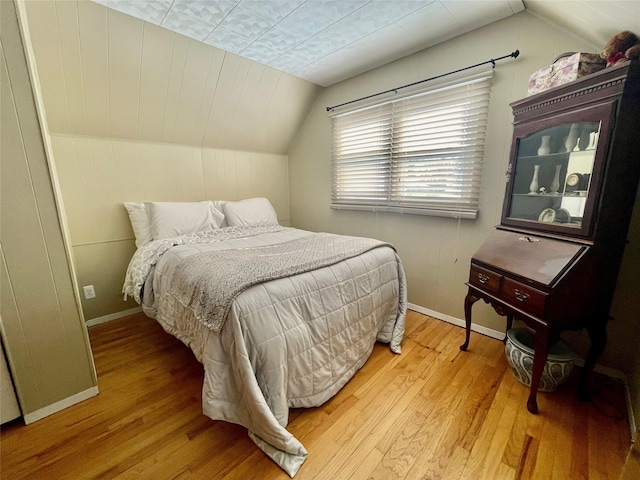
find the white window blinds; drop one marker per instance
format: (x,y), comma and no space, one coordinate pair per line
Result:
(421,153)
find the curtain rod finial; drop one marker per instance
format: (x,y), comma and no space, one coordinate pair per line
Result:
(515,54)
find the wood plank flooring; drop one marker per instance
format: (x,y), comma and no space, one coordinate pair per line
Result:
(433,412)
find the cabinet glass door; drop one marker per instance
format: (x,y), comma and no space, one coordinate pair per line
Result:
(551,175)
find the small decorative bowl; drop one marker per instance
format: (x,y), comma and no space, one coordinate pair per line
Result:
(558,367)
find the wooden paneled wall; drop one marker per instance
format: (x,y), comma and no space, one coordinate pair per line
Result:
(106,74)
(40,320)
(97,175)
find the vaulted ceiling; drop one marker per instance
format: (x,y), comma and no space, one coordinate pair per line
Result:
(326,41)
(322,41)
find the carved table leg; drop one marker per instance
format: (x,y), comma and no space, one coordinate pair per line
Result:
(541,351)
(469,300)
(598,336)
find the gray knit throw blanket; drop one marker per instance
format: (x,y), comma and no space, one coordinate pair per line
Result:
(205,284)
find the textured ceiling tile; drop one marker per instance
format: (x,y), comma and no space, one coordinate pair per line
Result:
(380,13)
(313,16)
(246,23)
(187,24)
(406,6)
(288,63)
(261,53)
(292,34)
(274,11)
(318,68)
(150,10)
(282,39)
(336,37)
(272,45)
(229,40)
(362,22)
(212,12)
(314,48)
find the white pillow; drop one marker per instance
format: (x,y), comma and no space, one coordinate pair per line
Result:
(218,212)
(253,211)
(139,223)
(170,219)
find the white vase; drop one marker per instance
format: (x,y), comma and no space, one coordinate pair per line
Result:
(533,186)
(555,183)
(585,138)
(572,139)
(544,148)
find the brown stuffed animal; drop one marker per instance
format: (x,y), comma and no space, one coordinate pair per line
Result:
(622,47)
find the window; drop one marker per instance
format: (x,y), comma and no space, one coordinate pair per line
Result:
(418,154)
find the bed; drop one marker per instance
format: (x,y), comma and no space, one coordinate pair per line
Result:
(279,317)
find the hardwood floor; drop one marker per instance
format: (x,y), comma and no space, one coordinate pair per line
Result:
(433,412)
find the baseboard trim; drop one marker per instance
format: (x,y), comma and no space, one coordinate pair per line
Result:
(113,316)
(606,371)
(601,369)
(489,332)
(61,405)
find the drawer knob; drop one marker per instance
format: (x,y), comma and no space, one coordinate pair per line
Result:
(482,278)
(521,296)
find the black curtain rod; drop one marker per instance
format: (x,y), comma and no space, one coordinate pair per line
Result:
(395,90)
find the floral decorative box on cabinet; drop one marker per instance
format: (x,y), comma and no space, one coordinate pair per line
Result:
(565,69)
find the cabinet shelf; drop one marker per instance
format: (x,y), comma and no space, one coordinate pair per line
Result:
(550,156)
(557,155)
(551,195)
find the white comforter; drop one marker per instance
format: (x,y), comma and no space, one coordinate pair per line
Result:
(290,342)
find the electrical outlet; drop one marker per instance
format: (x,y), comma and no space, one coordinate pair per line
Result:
(89,292)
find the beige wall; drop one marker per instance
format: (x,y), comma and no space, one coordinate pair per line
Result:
(42,326)
(437,251)
(140,113)
(97,175)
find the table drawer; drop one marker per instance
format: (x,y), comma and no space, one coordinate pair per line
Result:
(486,279)
(524,297)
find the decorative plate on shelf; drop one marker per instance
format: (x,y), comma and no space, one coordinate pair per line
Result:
(548,215)
(573,179)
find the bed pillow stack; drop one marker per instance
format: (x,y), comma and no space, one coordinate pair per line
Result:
(156,220)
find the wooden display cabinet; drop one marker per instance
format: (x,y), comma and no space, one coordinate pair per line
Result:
(571,184)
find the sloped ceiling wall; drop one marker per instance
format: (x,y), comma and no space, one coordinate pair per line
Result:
(106,74)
